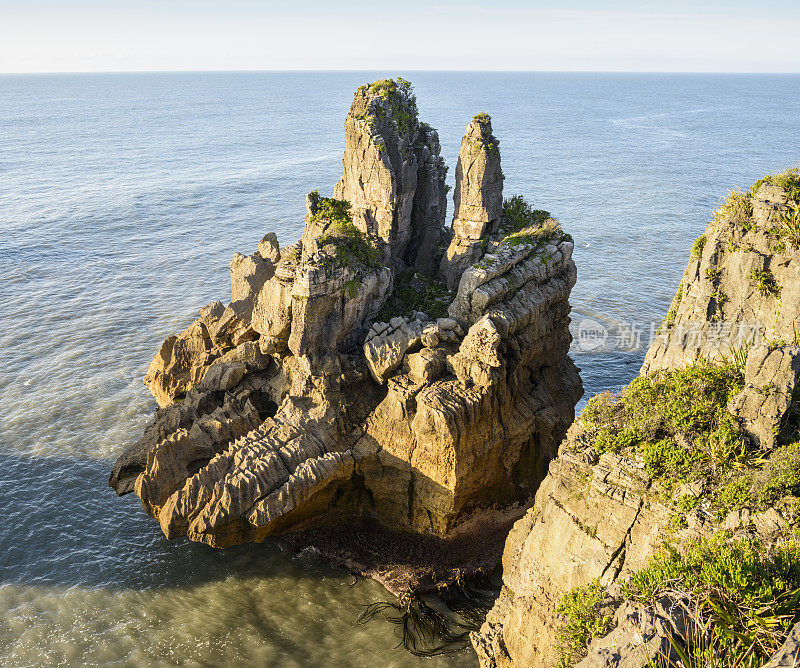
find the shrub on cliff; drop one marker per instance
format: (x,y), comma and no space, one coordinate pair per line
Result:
(399,106)
(352,248)
(788,180)
(581,620)
(518,214)
(738,598)
(413,291)
(677,420)
(522,224)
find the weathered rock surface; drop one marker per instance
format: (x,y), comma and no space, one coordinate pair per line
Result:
(598,517)
(770,380)
(478,199)
(788,656)
(741,285)
(593,518)
(296,408)
(393,175)
(639,637)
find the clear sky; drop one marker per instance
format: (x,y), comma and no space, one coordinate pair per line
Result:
(620,35)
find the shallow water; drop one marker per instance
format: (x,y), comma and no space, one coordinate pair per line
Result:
(122,199)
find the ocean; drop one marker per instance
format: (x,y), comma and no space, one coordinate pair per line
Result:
(122,199)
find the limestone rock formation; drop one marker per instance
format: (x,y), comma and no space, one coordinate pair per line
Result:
(742,282)
(478,198)
(346,385)
(599,516)
(393,173)
(770,381)
(592,519)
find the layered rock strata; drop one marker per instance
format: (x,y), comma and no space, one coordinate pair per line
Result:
(478,198)
(304,404)
(601,518)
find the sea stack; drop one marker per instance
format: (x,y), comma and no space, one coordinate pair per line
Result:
(347,390)
(478,198)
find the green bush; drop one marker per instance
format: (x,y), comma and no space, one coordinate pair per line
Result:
(580,611)
(666,460)
(414,291)
(698,245)
(790,227)
(351,247)
(764,281)
(676,419)
(737,207)
(779,477)
(788,180)
(741,596)
(517,215)
(328,208)
(402,104)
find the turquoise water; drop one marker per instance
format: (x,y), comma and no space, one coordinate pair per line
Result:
(122,198)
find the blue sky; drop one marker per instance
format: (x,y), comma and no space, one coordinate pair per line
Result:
(121,35)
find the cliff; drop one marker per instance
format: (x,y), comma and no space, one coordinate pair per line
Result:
(664,532)
(373,386)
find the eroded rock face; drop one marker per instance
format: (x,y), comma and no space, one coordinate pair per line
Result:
(592,519)
(303,408)
(770,381)
(741,285)
(598,517)
(393,175)
(478,198)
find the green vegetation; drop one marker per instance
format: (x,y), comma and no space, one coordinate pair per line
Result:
(790,226)
(402,105)
(485,122)
(328,208)
(520,224)
(739,597)
(677,421)
(414,291)
(291,253)
(518,215)
(580,610)
(669,319)
(351,247)
(352,286)
(778,248)
(738,207)
(769,483)
(698,246)
(764,282)
(719,296)
(788,180)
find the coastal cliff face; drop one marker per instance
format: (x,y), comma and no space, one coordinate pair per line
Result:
(742,281)
(686,481)
(360,378)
